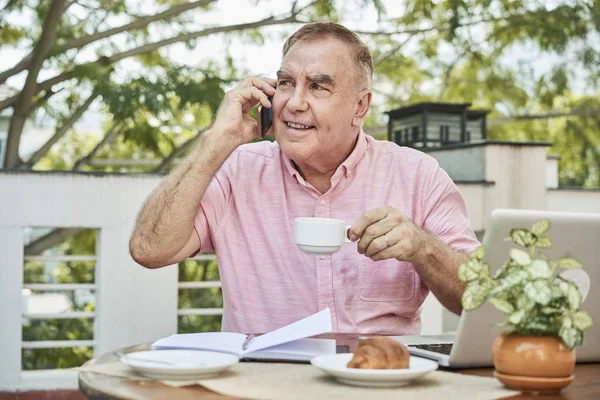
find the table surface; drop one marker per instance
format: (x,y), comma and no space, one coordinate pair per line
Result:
(586,384)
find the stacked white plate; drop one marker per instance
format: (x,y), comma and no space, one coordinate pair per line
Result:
(179,364)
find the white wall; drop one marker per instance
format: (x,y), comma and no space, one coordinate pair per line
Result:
(574,200)
(552,172)
(519,176)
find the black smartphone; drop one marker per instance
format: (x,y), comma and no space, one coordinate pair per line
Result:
(265,118)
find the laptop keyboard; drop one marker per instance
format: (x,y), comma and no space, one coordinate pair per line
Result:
(443,348)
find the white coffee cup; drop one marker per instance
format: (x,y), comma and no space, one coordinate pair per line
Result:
(320,236)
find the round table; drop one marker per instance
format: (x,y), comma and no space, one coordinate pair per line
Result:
(586,384)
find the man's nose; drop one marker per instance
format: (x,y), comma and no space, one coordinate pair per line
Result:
(297,101)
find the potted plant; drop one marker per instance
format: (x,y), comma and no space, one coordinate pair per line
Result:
(544,324)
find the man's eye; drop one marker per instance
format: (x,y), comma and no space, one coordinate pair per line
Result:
(316,86)
(283,83)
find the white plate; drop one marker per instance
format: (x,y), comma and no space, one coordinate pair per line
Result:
(335,364)
(179,364)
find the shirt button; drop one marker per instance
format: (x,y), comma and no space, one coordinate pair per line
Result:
(324,257)
(323,202)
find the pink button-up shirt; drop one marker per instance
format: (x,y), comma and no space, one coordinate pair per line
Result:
(247,216)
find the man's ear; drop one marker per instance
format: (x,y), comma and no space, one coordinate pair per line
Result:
(364,102)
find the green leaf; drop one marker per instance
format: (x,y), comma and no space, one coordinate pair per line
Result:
(556,293)
(516,317)
(539,269)
(551,310)
(539,327)
(513,278)
(582,320)
(568,262)
(540,227)
(525,303)
(502,305)
(567,322)
(520,257)
(538,291)
(571,336)
(574,297)
(479,253)
(500,272)
(543,242)
(466,272)
(474,295)
(522,237)
(485,269)
(564,287)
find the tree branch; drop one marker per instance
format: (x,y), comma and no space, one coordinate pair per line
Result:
(78,43)
(23,101)
(45,242)
(108,60)
(393,51)
(60,132)
(111,135)
(414,31)
(43,99)
(177,152)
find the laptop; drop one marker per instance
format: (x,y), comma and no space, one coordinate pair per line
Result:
(572,234)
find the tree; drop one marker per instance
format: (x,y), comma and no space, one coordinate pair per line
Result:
(488,54)
(70,29)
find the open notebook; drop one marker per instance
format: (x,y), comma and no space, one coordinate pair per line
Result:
(288,343)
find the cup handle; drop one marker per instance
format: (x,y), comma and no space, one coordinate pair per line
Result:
(346,240)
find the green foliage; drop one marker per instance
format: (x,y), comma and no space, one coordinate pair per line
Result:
(35,359)
(199,271)
(10,34)
(514,58)
(528,290)
(146,106)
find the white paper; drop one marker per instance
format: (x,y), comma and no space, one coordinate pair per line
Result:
(313,325)
(226,342)
(277,344)
(298,350)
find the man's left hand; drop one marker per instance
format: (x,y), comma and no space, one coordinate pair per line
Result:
(386,233)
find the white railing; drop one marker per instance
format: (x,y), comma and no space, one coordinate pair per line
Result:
(52,344)
(200,285)
(62,315)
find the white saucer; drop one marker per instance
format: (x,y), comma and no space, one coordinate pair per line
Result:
(186,364)
(335,364)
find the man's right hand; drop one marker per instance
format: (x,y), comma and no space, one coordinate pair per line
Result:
(232,121)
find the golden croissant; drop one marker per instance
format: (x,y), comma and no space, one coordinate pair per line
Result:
(380,353)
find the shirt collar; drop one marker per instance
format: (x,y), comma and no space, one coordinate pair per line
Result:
(348,166)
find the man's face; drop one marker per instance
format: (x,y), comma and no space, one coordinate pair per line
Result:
(317,102)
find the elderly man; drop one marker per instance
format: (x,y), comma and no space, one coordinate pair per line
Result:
(408,218)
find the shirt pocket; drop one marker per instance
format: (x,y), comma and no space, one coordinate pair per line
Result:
(386,280)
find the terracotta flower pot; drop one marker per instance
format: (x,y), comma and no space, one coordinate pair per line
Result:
(533,363)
